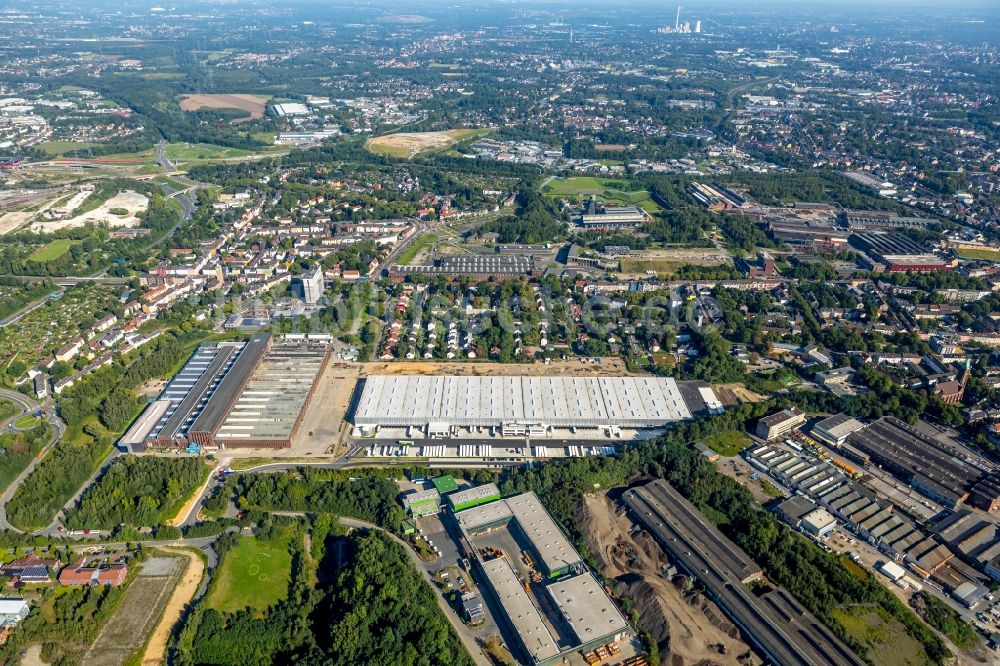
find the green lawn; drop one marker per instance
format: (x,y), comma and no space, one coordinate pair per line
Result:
(25,422)
(980,255)
(607,189)
(52,250)
(728,443)
(56,148)
(255,574)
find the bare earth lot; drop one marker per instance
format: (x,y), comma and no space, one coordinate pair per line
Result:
(409,144)
(133,202)
(689,628)
(669,260)
(156,650)
(144,602)
(252,103)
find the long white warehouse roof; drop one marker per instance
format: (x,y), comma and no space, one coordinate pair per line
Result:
(404,400)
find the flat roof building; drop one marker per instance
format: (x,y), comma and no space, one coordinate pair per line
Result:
(471,497)
(269,409)
(587,609)
(524,618)
(422,503)
(446,401)
(835,429)
(935,468)
(780,423)
(205,426)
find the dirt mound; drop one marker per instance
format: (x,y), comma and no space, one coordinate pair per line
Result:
(689,629)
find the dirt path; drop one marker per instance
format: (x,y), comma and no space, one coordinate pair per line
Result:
(690,629)
(156,649)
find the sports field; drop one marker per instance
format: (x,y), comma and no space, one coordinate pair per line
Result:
(410,144)
(51,250)
(254,574)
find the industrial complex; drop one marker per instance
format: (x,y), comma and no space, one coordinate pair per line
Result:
(550,601)
(439,405)
(784,631)
(233,394)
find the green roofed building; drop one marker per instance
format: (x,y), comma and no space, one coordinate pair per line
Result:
(470,497)
(445,484)
(422,503)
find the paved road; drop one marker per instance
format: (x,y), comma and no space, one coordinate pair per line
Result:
(422,228)
(30,307)
(161,156)
(58,428)
(211,482)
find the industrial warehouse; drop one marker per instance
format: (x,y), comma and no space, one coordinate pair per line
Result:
(550,600)
(233,394)
(784,631)
(528,405)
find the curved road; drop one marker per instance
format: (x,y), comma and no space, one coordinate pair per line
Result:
(58,428)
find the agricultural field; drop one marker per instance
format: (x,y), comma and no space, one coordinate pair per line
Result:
(57,148)
(52,250)
(253,103)
(609,190)
(410,144)
(254,574)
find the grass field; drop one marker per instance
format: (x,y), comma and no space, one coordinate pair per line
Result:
(255,574)
(885,637)
(185,152)
(980,255)
(728,443)
(414,249)
(55,148)
(51,250)
(411,144)
(607,189)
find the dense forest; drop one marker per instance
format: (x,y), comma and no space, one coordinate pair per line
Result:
(374,609)
(137,491)
(317,490)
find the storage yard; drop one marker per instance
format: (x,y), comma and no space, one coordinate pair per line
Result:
(778,625)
